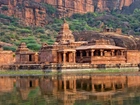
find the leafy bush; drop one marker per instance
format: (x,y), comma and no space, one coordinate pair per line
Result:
(50,41)
(23,31)
(12,28)
(4,8)
(34,46)
(44,36)
(49,8)
(28,40)
(12,48)
(11,19)
(40,30)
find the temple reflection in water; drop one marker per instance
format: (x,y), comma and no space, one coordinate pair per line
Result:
(70,90)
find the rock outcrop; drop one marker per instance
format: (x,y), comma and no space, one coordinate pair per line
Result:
(130,42)
(132,7)
(29,11)
(33,12)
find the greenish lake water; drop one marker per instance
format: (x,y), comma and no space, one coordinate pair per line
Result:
(71,89)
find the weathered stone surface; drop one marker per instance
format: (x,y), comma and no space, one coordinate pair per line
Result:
(132,7)
(133,56)
(6,57)
(34,13)
(127,41)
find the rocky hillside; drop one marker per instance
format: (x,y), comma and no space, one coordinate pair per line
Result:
(35,12)
(36,21)
(127,41)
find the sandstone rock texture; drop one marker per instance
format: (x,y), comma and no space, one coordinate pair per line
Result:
(127,41)
(32,12)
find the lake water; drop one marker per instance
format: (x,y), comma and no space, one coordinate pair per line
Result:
(66,89)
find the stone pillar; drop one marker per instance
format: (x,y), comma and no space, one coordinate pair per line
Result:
(65,84)
(93,88)
(36,58)
(60,84)
(64,57)
(102,87)
(101,51)
(112,52)
(74,85)
(87,53)
(123,86)
(122,52)
(113,86)
(59,56)
(92,53)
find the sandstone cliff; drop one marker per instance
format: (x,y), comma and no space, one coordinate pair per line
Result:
(132,7)
(32,12)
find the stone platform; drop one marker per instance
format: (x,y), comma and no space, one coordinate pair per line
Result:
(65,67)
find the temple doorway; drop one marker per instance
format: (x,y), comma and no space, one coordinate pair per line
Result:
(67,57)
(30,57)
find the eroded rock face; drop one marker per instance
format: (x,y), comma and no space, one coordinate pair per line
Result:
(32,12)
(108,5)
(130,42)
(29,11)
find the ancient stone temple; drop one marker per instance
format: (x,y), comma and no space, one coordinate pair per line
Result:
(6,57)
(67,51)
(102,52)
(63,50)
(25,56)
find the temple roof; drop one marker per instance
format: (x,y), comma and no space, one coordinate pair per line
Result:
(23,48)
(100,44)
(100,47)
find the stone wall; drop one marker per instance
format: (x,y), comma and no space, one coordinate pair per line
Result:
(109,60)
(6,57)
(45,56)
(133,56)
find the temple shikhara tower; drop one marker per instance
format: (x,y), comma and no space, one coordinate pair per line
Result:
(63,50)
(65,35)
(25,56)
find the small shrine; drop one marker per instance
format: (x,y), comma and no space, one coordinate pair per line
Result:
(25,56)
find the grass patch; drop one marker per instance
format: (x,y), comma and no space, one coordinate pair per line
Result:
(78,72)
